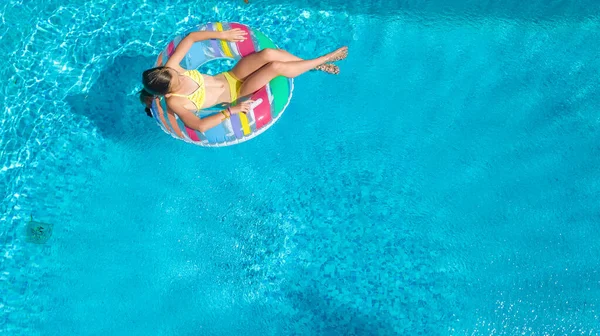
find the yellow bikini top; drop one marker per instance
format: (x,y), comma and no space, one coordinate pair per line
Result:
(197,97)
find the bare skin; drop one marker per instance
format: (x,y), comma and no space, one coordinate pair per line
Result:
(260,77)
(254,71)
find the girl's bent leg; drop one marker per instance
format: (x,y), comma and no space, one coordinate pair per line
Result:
(249,64)
(288,69)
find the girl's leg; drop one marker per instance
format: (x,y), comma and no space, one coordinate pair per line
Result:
(329,68)
(289,69)
(249,64)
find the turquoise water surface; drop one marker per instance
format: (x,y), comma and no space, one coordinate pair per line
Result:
(446,182)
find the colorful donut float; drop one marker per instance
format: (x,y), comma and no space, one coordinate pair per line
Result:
(270,101)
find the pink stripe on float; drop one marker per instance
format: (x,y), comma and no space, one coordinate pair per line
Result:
(192,134)
(245,47)
(170,48)
(262,113)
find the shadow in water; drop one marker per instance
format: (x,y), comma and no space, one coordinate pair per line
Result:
(109,104)
(338,318)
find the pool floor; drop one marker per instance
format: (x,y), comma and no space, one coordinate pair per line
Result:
(445,183)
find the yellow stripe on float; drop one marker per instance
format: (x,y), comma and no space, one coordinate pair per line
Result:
(224,44)
(245,124)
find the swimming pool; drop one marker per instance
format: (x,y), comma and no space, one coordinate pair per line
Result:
(444,183)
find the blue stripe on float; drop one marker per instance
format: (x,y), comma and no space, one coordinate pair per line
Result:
(154,111)
(182,128)
(196,56)
(236,124)
(214,44)
(216,134)
(232,45)
(156,115)
(177,40)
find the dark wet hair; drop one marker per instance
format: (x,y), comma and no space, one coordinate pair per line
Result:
(157,80)
(146,99)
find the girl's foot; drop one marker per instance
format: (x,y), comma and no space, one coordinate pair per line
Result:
(328,68)
(337,55)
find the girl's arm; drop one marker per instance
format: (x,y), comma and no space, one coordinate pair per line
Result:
(204,124)
(233,35)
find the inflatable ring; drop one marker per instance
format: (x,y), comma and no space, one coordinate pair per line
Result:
(270,101)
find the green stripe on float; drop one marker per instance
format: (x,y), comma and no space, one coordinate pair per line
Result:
(280,89)
(280,86)
(263,41)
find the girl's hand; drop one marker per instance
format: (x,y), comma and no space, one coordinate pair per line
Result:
(234,35)
(241,107)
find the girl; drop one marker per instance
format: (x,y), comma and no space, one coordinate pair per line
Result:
(188,91)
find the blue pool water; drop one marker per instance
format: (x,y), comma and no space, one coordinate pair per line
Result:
(446,182)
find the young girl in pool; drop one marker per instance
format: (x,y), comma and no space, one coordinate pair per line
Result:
(188,91)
